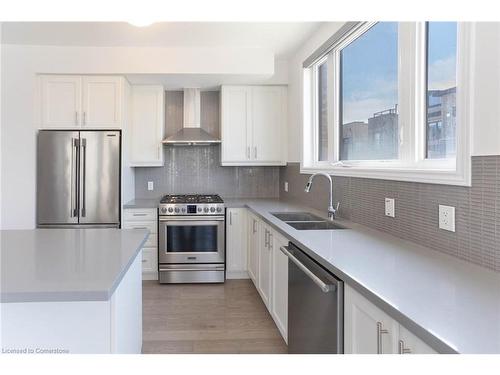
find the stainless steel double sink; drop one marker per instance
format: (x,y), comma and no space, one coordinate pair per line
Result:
(306,221)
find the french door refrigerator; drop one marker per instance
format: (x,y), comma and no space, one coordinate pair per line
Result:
(78,178)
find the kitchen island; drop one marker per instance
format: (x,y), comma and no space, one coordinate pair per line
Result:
(71,291)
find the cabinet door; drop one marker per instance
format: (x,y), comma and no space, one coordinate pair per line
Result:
(268,139)
(279,295)
(265,259)
(236,246)
(102,96)
(147,126)
(60,104)
(253,248)
(410,344)
(235,124)
(367,329)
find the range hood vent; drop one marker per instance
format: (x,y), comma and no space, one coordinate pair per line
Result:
(191,134)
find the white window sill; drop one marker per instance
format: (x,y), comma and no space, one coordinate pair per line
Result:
(432,176)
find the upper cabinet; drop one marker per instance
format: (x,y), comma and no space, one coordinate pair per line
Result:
(253,124)
(147,125)
(61,102)
(93,102)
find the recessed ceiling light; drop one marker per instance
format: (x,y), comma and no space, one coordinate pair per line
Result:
(141,23)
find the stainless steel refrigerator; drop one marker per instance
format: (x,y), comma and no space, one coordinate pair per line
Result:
(78,178)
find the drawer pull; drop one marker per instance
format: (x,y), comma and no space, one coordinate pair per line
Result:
(144,260)
(139,214)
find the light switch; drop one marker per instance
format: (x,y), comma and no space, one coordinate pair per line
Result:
(390,209)
(150,185)
(286,186)
(447,218)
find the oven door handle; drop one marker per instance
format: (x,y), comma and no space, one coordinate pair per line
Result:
(191,218)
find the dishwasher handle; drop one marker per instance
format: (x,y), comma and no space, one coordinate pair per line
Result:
(324,287)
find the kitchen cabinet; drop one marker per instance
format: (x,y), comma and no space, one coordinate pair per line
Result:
(147,126)
(236,246)
(72,101)
(264,276)
(253,125)
(253,228)
(60,101)
(145,218)
(369,330)
(279,287)
(101,101)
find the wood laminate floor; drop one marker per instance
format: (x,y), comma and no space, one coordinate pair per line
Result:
(207,318)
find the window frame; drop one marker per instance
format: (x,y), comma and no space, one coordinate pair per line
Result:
(412,164)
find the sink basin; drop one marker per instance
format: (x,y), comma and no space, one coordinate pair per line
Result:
(314,225)
(296,216)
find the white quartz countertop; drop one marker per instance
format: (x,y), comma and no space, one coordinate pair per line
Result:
(65,264)
(452,305)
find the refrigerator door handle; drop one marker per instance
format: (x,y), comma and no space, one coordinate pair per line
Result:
(74,176)
(83,144)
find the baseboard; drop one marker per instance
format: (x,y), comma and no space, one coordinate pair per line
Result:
(237,275)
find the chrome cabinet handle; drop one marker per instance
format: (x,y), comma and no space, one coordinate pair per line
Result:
(255,152)
(380,332)
(83,144)
(402,349)
(248,152)
(144,261)
(139,214)
(76,117)
(84,118)
(230,218)
(266,238)
(270,241)
(324,287)
(254,228)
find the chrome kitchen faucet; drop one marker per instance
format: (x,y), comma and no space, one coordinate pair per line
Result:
(331,210)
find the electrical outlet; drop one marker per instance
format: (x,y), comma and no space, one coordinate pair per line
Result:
(447,218)
(150,185)
(390,209)
(286,186)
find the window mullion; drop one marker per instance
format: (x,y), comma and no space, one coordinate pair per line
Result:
(332,106)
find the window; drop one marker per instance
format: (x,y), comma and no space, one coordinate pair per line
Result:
(441,90)
(389,100)
(369,95)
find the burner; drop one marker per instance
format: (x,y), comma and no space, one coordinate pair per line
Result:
(192,198)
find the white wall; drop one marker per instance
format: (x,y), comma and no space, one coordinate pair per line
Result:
(486,93)
(19,121)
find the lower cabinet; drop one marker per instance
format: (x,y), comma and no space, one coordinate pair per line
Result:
(253,229)
(369,330)
(279,288)
(265,267)
(145,218)
(236,245)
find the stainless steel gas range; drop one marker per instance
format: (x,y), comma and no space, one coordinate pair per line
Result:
(191,239)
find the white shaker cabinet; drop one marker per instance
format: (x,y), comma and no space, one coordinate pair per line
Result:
(265,265)
(147,126)
(369,330)
(60,101)
(253,247)
(236,245)
(253,125)
(279,288)
(101,101)
(73,101)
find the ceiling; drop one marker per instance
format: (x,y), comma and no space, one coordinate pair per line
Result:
(283,38)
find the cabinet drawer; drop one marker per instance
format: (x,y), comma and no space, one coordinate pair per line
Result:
(149,225)
(149,256)
(152,241)
(140,214)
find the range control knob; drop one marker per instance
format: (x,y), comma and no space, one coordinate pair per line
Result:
(212,209)
(170,209)
(176,209)
(200,209)
(163,210)
(205,209)
(219,209)
(183,209)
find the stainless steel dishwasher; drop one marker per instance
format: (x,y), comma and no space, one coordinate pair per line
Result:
(315,306)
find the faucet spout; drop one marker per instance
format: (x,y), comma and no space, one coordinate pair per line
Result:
(331,210)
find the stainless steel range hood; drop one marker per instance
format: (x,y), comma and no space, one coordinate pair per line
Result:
(191,134)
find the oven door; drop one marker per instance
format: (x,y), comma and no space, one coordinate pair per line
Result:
(191,239)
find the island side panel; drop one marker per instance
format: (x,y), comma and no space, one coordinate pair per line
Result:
(126,311)
(71,327)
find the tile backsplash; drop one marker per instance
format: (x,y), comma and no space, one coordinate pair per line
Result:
(197,169)
(477,236)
